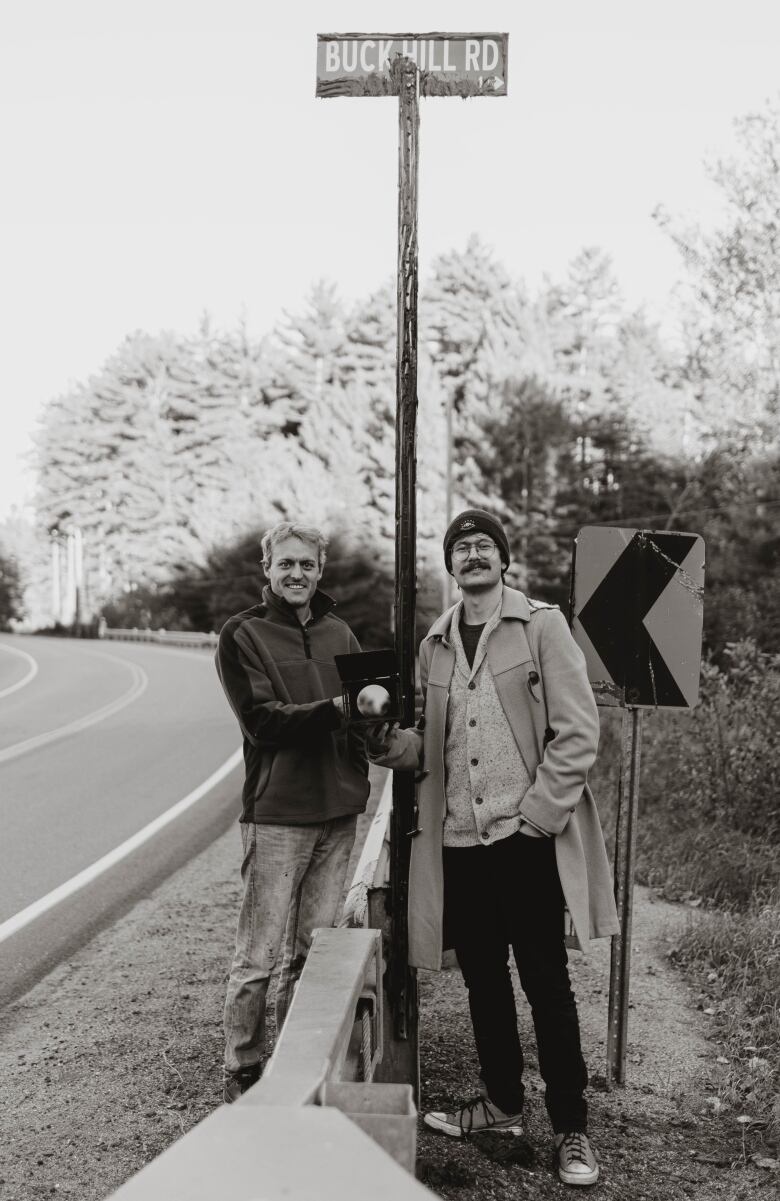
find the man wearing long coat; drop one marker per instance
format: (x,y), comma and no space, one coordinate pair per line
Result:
(508,833)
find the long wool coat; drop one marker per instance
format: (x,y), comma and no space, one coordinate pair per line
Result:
(540,677)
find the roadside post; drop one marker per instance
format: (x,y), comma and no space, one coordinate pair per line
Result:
(637,606)
(407,66)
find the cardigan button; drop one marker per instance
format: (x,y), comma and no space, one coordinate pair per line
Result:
(474,762)
(472,685)
(477,800)
(485,834)
(472,721)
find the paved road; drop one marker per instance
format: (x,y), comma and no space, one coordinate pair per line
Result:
(98,739)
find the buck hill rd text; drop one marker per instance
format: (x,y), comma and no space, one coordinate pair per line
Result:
(479,55)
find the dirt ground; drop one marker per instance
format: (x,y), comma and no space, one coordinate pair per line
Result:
(118,1052)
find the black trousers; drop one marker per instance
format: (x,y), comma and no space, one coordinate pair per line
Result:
(507,895)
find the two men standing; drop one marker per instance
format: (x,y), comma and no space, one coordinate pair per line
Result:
(508,833)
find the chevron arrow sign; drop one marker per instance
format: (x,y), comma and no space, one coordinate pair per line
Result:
(637,609)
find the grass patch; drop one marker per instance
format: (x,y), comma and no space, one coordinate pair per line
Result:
(709,835)
(736,958)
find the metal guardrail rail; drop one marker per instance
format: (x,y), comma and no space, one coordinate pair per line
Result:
(316,1125)
(163,637)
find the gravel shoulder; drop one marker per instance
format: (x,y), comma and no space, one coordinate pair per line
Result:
(117,1052)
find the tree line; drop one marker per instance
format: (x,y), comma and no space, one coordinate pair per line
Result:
(566,407)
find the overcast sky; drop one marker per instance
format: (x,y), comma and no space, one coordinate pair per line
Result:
(166,157)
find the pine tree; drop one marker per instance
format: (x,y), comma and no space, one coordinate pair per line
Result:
(732,320)
(469,304)
(312,353)
(11,591)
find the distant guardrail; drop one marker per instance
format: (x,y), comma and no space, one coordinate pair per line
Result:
(163,637)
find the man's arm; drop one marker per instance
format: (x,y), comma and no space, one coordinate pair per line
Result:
(562,774)
(265,720)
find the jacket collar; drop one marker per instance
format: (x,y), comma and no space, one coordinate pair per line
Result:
(514,607)
(321,604)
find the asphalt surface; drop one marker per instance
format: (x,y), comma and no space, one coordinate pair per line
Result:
(97,740)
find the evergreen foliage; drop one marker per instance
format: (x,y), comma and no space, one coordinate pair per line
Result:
(733,350)
(10,591)
(565,408)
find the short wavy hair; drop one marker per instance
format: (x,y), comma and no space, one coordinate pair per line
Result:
(291,529)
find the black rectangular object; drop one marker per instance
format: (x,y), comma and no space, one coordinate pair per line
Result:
(370,667)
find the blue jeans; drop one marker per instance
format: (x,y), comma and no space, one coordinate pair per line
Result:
(293,882)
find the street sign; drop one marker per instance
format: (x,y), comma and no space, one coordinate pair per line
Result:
(637,611)
(407,66)
(449,64)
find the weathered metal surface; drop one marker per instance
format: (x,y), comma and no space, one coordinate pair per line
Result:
(448,64)
(637,612)
(625,852)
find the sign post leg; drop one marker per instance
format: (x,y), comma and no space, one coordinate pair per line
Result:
(625,851)
(401,980)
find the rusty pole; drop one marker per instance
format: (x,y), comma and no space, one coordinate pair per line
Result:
(402,990)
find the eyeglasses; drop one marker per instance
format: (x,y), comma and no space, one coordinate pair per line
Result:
(464,549)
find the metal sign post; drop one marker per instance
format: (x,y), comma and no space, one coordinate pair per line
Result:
(407,66)
(625,849)
(637,610)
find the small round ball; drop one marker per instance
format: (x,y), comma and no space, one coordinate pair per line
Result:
(373,701)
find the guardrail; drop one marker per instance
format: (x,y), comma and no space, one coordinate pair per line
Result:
(164,637)
(317,1124)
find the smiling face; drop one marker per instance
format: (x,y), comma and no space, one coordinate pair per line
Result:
(294,571)
(476,562)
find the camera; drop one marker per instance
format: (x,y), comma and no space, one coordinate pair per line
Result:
(370,686)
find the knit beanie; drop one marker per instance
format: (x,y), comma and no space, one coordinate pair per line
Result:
(475,521)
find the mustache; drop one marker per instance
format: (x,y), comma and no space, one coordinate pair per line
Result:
(474,564)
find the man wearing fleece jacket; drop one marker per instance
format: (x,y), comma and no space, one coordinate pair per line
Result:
(306,782)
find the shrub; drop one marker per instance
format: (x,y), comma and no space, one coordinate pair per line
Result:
(709,813)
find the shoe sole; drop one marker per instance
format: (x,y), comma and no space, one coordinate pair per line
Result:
(435,1122)
(578,1177)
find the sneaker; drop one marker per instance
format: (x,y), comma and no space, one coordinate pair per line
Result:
(237,1083)
(576,1161)
(476,1116)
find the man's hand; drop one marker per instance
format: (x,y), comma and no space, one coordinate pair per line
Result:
(530,831)
(338,701)
(379,734)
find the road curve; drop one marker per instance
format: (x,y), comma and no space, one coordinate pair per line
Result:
(95,750)
(17,668)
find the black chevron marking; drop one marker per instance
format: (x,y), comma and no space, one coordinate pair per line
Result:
(613,617)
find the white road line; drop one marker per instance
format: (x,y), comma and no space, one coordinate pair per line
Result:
(139,685)
(25,916)
(31,674)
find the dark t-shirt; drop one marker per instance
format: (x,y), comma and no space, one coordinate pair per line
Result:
(470,636)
